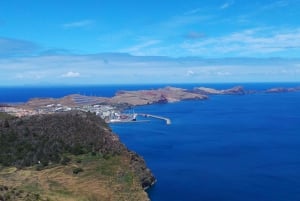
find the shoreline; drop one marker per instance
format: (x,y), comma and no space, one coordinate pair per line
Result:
(109,90)
(124,100)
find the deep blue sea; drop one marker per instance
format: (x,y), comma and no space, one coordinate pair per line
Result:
(227,148)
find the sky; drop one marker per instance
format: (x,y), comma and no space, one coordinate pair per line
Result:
(64,42)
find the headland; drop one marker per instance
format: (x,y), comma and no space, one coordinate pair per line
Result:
(67,156)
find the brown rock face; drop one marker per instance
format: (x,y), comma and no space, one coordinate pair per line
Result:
(238,90)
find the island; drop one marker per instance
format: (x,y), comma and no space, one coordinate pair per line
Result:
(282,90)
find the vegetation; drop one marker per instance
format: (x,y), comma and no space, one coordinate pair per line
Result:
(44,139)
(101,179)
(4,116)
(14,194)
(67,156)
(77,170)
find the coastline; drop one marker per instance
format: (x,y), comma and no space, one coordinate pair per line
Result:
(105,106)
(219,93)
(22,94)
(219,143)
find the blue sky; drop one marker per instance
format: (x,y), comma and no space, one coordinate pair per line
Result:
(147,41)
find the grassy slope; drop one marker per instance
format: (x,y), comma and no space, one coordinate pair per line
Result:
(109,173)
(4,115)
(101,179)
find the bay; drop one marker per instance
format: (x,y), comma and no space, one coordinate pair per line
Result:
(227,148)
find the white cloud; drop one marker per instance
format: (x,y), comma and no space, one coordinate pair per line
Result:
(227,5)
(30,75)
(193,11)
(78,24)
(277,4)
(90,69)
(190,73)
(139,49)
(246,43)
(71,74)
(221,73)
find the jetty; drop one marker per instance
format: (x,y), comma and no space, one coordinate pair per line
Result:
(167,120)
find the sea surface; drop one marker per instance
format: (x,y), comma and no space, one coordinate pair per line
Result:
(226,148)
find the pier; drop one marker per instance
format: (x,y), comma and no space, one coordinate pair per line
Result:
(167,120)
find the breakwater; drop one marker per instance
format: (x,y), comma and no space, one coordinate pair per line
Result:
(167,120)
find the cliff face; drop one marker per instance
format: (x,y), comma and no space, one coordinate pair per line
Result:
(44,141)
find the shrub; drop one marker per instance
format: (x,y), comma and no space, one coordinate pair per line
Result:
(78,150)
(39,167)
(65,160)
(77,170)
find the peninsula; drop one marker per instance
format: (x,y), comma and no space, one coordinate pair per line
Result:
(110,107)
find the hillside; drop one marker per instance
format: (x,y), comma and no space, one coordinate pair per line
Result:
(68,156)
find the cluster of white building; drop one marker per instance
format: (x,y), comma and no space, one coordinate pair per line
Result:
(104,111)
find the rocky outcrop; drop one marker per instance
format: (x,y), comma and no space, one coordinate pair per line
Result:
(282,90)
(141,171)
(238,90)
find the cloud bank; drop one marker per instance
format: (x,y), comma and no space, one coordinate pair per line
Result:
(71,74)
(78,24)
(15,47)
(127,69)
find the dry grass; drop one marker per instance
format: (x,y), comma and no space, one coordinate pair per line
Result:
(101,179)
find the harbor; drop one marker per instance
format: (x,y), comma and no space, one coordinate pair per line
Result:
(127,118)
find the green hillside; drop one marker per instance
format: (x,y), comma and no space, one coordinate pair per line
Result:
(67,156)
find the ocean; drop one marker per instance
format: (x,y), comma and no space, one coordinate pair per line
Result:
(226,148)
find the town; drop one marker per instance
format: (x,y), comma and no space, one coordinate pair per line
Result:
(109,113)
